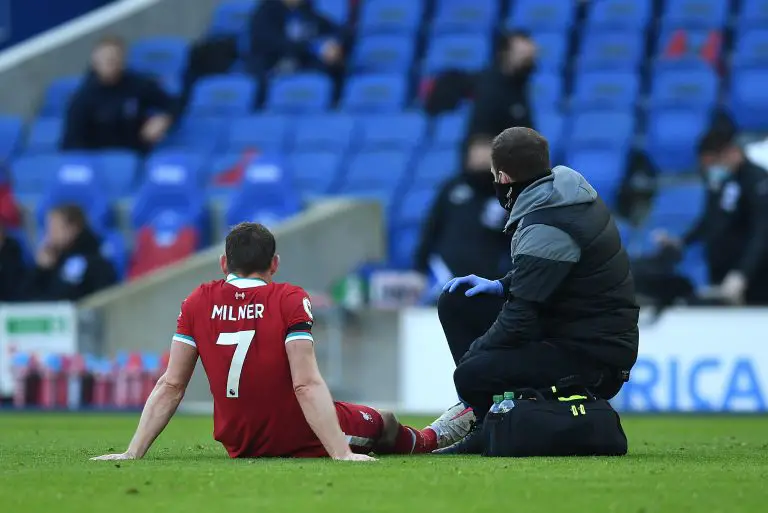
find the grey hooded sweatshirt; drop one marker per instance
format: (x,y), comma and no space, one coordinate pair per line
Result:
(570,282)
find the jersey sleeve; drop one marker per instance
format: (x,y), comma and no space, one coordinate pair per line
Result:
(297,312)
(184,333)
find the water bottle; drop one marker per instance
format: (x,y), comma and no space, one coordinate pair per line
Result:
(496,402)
(508,403)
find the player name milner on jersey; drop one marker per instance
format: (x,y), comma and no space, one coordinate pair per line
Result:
(237,313)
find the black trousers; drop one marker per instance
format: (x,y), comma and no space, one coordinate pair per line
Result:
(534,365)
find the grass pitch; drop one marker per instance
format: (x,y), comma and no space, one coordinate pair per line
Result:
(676,464)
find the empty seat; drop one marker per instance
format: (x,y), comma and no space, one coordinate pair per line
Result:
(753,15)
(673,135)
(176,168)
(404,131)
(374,93)
(265,195)
(402,246)
(299,93)
(117,172)
(10,136)
(376,173)
(198,134)
(222,96)
(542,15)
(45,135)
(467,52)
(31,174)
(546,91)
(619,15)
(751,49)
(58,96)
(749,98)
(314,172)
(601,129)
(605,89)
(390,16)
(113,248)
(687,48)
(383,54)
(685,88)
(264,132)
(159,55)
(414,205)
(169,238)
(331,131)
(676,207)
(449,129)
(552,50)
(695,13)
(155,198)
(461,16)
(335,10)
(226,171)
(551,124)
(435,166)
(231,17)
(615,50)
(604,168)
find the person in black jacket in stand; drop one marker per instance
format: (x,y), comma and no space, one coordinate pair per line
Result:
(463,232)
(12,267)
(501,93)
(566,312)
(115,107)
(734,226)
(69,265)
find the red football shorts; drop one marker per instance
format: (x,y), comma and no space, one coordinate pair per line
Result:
(360,424)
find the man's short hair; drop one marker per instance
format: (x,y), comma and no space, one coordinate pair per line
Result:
(72,214)
(250,248)
(716,140)
(111,40)
(521,153)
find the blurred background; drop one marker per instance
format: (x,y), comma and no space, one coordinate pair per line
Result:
(134,133)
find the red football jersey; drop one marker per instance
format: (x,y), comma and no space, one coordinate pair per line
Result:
(240,327)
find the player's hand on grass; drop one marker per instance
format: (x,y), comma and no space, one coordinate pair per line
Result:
(355,457)
(111,457)
(477,285)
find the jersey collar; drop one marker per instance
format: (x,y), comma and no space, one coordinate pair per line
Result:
(244,283)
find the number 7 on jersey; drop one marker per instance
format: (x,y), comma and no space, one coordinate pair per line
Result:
(241,339)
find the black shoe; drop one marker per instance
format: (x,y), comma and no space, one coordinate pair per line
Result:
(471,444)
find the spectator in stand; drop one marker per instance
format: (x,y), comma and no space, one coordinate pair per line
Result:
(290,35)
(69,265)
(734,226)
(115,107)
(463,233)
(12,268)
(501,94)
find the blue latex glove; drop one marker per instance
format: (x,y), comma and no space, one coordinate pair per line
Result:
(477,286)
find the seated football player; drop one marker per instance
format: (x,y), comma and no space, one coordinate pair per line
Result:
(254,337)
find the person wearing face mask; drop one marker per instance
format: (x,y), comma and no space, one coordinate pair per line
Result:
(566,310)
(734,226)
(462,233)
(501,95)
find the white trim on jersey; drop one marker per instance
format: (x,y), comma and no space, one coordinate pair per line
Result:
(244,283)
(184,339)
(299,335)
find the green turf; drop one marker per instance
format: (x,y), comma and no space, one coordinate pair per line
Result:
(677,464)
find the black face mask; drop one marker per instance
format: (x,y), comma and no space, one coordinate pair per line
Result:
(507,193)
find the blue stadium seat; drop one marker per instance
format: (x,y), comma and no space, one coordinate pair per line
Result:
(696,88)
(159,55)
(198,134)
(749,98)
(466,52)
(266,195)
(449,129)
(390,17)
(614,50)
(300,93)
(753,15)
(331,132)
(606,89)
(751,49)
(314,172)
(335,10)
(374,93)
(631,15)
(31,174)
(552,51)
(225,171)
(383,53)
(226,95)
(154,199)
(435,166)
(546,91)
(402,246)
(673,135)
(542,15)
(402,131)
(457,16)
(604,168)
(45,135)
(695,42)
(231,18)
(414,205)
(114,249)
(695,13)
(174,168)
(10,136)
(676,207)
(601,129)
(376,173)
(551,124)
(117,172)
(171,84)
(264,132)
(58,95)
